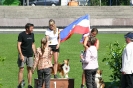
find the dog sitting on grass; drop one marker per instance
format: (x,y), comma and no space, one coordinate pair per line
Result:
(63,69)
(98,79)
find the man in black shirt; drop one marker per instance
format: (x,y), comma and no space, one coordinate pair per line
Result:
(26,48)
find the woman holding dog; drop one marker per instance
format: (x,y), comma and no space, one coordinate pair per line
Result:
(53,36)
(93,33)
(43,63)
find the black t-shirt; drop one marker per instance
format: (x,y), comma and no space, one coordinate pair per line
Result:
(26,46)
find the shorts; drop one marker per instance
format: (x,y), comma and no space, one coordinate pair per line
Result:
(27,60)
(53,47)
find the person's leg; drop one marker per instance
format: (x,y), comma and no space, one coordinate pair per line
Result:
(21,70)
(40,78)
(55,62)
(47,76)
(129,79)
(29,62)
(88,78)
(93,78)
(20,75)
(83,80)
(29,75)
(123,81)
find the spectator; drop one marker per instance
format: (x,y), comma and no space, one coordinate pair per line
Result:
(127,63)
(26,47)
(90,63)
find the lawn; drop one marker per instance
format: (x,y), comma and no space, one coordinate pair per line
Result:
(68,50)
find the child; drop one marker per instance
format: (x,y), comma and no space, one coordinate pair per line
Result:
(84,40)
(43,63)
(90,63)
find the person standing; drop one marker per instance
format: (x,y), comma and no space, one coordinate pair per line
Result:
(53,36)
(43,63)
(127,63)
(85,39)
(26,48)
(90,63)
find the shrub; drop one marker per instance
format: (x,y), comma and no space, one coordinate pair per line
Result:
(113,58)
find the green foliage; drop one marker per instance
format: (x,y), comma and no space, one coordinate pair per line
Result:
(107,2)
(95,2)
(11,2)
(113,58)
(0,2)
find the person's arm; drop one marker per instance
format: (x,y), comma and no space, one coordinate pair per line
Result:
(58,40)
(126,61)
(97,44)
(19,51)
(33,45)
(19,47)
(86,59)
(35,61)
(85,42)
(33,48)
(47,36)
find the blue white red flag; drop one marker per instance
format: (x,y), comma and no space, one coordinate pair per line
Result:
(79,26)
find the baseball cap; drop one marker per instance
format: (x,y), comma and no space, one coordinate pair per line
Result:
(129,35)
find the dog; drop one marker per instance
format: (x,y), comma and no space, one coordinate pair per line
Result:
(98,79)
(63,69)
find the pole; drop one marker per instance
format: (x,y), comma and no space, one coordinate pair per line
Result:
(27,2)
(100,2)
(23,2)
(44,2)
(110,2)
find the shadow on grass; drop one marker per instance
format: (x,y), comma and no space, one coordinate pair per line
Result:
(112,85)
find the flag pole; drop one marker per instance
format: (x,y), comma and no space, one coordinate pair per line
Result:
(100,2)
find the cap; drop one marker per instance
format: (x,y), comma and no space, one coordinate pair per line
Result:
(129,35)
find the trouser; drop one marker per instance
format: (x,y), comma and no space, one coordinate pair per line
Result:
(44,76)
(90,78)
(127,81)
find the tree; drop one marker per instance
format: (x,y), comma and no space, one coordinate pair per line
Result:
(11,2)
(113,59)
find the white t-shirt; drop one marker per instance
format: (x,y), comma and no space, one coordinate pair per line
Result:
(53,38)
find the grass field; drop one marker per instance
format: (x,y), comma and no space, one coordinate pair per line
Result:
(68,50)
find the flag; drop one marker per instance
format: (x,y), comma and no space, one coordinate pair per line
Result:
(79,26)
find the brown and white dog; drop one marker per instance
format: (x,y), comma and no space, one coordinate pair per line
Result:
(63,69)
(98,79)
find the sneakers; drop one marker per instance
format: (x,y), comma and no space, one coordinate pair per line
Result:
(82,86)
(22,84)
(29,86)
(55,76)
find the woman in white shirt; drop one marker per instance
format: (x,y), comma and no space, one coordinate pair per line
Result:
(53,37)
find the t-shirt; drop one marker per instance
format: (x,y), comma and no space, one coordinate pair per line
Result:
(26,46)
(53,38)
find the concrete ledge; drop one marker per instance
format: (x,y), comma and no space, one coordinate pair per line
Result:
(66,21)
(64,15)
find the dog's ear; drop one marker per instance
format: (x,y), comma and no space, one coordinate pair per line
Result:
(67,59)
